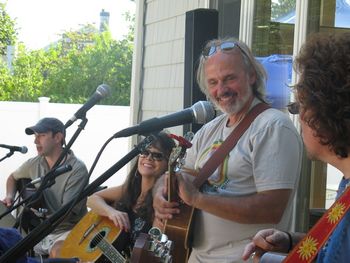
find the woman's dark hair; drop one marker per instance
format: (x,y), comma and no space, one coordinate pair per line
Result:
(324,88)
(132,185)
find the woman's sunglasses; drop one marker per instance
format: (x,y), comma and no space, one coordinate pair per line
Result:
(154,155)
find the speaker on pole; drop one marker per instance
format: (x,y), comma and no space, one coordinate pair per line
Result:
(201,26)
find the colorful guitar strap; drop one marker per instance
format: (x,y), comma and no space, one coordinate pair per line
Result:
(307,249)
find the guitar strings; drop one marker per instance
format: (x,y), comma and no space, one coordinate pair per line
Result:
(99,237)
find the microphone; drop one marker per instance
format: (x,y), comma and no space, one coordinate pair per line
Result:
(22,149)
(101,92)
(200,112)
(58,171)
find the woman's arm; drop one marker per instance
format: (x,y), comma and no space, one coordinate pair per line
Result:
(100,202)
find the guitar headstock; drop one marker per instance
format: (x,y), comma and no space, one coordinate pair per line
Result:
(176,160)
(152,247)
(178,153)
(175,154)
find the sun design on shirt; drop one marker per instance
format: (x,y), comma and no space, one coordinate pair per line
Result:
(219,177)
(307,248)
(336,213)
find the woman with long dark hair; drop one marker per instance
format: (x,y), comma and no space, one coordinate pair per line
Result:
(129,205)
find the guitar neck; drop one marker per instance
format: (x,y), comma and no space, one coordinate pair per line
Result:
(109,251)
(172,186)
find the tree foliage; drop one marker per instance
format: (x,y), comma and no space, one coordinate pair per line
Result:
(8,34)
(71,70)
(281,7)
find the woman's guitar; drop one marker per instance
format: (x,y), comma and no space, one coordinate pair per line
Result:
(178,228)
(95,238)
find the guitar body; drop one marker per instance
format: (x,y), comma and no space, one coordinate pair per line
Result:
(32,220)
(95,238)
(178,229)
(26,190)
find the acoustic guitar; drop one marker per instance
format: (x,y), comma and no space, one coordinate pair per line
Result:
(178,229)
(35,211)
(95,238)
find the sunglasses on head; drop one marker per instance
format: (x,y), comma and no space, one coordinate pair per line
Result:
(225,46)
(156,156)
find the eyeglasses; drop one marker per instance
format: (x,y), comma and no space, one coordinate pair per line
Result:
(154,155)
(293,107)
(225,46)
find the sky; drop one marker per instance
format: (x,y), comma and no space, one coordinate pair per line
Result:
(40,22)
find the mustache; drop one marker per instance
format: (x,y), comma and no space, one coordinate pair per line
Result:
(227,93)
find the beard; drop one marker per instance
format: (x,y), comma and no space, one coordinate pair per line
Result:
(235,104)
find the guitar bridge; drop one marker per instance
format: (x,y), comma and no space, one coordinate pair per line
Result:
(89,230)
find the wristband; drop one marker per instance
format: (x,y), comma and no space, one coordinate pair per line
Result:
(290,241)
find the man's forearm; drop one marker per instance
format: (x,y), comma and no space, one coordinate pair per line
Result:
(11,187)
(158,185)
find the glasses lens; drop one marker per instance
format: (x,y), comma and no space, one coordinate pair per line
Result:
(225,46)
(208,51)
(157,156)
(154,155)
(212,50)
(293,108)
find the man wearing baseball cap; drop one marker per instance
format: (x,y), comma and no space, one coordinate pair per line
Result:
(46,125)
(50,141)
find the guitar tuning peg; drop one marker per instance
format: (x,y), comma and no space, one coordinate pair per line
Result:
(155,233)
(164,238)
(168,259)
(182,161)
(189,136)
(169,245)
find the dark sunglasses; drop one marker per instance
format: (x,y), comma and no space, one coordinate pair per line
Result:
(293,107)
(154,155)
(225,46)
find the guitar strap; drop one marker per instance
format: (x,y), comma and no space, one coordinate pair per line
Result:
(307,249)
(218,156)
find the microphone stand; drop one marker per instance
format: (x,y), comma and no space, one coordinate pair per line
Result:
(49,178)
(49,224)
(7,155)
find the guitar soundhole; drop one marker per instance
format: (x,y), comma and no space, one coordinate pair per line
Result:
(97,239)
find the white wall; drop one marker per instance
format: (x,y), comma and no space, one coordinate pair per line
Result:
(103,122)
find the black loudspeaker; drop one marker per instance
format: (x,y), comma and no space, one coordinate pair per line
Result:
(201,26)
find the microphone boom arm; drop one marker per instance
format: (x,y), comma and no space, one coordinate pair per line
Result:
(6,156)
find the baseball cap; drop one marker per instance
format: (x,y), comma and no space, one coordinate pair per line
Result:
(46,125)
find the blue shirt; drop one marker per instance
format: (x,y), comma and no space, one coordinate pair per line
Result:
(9,237)
(337,248)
